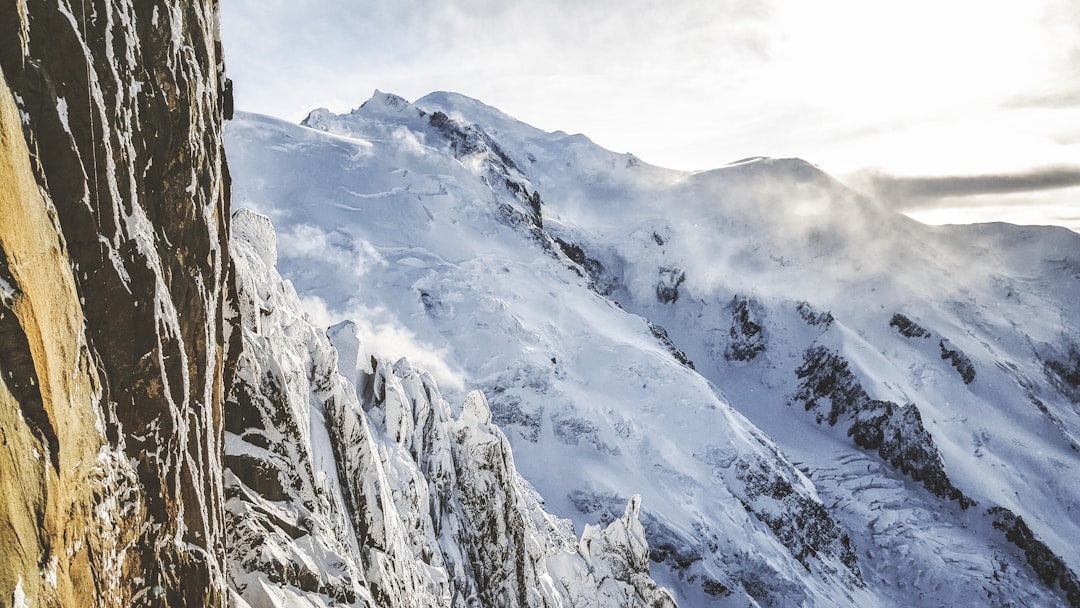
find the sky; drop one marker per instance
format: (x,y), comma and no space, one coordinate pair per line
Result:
(951,110)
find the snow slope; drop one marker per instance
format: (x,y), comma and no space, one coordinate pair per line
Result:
(739,347)
(385,498)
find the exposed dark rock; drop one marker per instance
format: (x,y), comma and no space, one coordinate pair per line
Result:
(533,201)
(907,327)
(661,334)
(747,336)
(600,280)
(668,546)
(466,139)
(537,208)
(571,430)
(830,389)
(1064,373)
(712,586)
(910,329)
(258,474)
(506,411)
(799,521)
(813,317)
(122,106)
(572,251)
(1051,569)
(667,284)
(436,306)
(898,434)
(959,360)
(605,506)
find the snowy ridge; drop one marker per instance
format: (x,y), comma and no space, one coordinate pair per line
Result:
(388,500)
(579,318)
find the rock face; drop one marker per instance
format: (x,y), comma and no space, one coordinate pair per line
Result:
(895,431)
(173,430)
(114,271)
(48,400)
(388,499)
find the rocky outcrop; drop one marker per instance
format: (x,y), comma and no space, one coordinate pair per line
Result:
(1050,568)
(1063,371)
(907,327)
(123,189)
(52,481)
(471,515)
(600,280)
(661,334)
(813,317)
(960,361)
(387,498)
(286,521)
(829,389)
(797,518)
(746,333)
(667,284)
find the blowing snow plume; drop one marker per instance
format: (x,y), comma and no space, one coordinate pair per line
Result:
(580,329)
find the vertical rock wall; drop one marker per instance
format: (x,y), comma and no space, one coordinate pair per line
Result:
(114,265)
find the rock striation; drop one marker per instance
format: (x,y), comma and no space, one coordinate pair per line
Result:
(173,430)
(114,261)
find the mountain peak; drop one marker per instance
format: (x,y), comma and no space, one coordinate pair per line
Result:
(317,118)
(386,104)
(477,112)
(450,99)
(572,289)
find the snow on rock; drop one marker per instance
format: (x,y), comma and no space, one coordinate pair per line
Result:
(562,403)
(384,499)
(287,522)
(573,286)
(832,392)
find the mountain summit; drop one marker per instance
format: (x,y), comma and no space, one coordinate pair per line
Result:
(819,401)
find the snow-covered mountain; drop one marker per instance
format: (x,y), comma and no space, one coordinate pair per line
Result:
(531,372)
(383,497)
(173,430)
(818,401)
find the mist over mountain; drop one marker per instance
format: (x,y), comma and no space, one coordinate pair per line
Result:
(820,401)
(423,354)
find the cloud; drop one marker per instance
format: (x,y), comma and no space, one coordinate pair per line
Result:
(284,55)
(382,334)
(913,191)
(1047,207)
(1048,195)
(1053,100)
(916,88)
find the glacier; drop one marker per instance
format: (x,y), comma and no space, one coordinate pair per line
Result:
(381,496)
(721,344)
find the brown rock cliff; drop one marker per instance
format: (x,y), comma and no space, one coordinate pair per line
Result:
(113,226)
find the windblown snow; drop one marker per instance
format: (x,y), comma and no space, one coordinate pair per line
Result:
(761,386)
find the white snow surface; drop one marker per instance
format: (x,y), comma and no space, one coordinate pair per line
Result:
(418,228)
(386,499)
